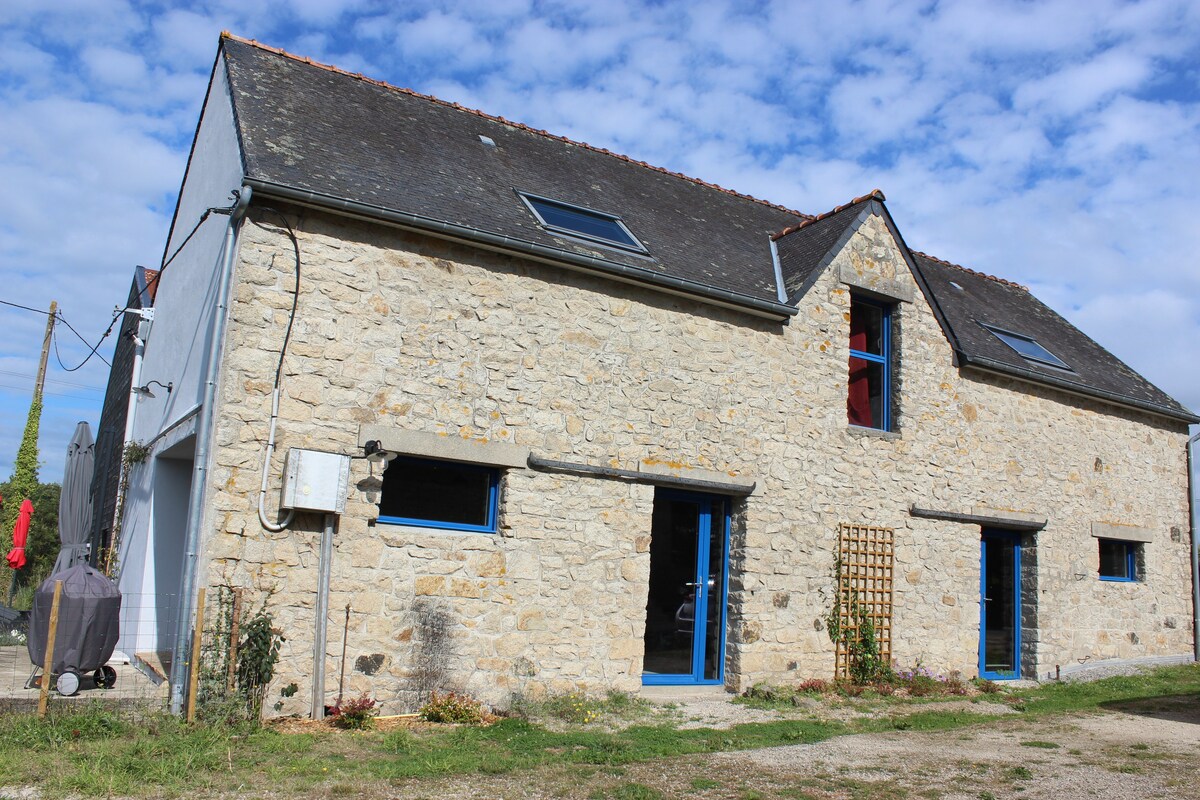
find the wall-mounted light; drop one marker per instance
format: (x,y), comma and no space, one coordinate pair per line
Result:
(375,453)
(371,486)
(145,390)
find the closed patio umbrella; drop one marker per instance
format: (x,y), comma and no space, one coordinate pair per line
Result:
(75,502)
(16,556)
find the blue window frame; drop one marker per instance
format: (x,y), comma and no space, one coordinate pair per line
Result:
(1118,560)
(582,223)
(869,400)
(440,494)
(1028,348)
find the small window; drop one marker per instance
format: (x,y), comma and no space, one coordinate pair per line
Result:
(1118,560)
(869,401)
(1028,348)
(439,494)
(582,223)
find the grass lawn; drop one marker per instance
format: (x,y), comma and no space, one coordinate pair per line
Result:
(97,752)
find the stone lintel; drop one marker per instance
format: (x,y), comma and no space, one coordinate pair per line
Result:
(1128,533)
(982,520)
(886,288)
(1007,514)
(693,474)
(444,447)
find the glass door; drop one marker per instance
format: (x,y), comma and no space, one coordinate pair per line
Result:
(1000,606)
(685,607)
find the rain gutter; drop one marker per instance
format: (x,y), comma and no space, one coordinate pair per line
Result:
(200,465)
(1071,387)
(1195,551)
(507,244)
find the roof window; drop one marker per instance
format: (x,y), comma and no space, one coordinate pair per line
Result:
(582,223)
(1028,348)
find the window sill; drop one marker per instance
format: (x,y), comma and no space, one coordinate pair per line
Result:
(410,527)
(873,433)
(1108,579)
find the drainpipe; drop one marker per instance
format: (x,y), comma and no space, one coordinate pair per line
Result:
(1195,552)
(204,431)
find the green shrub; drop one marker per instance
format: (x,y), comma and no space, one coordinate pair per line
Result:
(453,708)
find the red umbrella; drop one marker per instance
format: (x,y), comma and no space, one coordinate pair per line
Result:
(16,556)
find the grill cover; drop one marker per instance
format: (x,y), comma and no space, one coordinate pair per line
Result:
(88,620)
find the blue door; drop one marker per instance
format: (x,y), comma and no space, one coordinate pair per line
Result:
(685,607)
(1000,605)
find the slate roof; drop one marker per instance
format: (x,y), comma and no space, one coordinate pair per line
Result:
(806,248)
(313,128)
(329,132)
(967,300)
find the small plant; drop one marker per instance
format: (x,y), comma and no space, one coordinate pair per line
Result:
(762,691)
(453,708)
(257,655)
(358,714)
(955,684)
(573,707)
(985,686)
(924,682)
(13,638)
(812,686)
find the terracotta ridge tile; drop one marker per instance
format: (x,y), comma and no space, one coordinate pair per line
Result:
(976,273)
(504,121)
(875,194)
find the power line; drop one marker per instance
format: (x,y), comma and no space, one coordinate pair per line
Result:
(52,394)
(53,380)
(58,356)
(25,308)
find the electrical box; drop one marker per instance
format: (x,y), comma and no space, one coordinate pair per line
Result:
(315,481)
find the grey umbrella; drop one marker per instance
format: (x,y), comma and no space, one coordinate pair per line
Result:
(75,503)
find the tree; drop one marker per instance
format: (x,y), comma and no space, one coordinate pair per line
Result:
(24,483)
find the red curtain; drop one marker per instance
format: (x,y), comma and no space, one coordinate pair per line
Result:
(858,400)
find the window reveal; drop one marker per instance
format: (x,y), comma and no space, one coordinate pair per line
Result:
(440,494)
(1118,560)
(868,401)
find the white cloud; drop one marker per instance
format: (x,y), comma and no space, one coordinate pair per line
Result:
(1056,143)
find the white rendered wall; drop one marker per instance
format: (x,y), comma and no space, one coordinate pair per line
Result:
(176,352)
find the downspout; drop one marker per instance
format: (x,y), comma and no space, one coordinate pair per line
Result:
(1195,552)
(204,430)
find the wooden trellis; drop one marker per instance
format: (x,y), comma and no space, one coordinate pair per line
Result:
(864,579)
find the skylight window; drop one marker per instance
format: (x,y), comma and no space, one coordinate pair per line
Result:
(582,223)
(1028,348)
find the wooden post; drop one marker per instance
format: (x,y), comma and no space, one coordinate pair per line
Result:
(194,671)
(234,625)
(44,693)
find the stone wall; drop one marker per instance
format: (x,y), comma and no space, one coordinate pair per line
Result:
(403,330)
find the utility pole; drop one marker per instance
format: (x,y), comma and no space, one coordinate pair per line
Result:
(41,376)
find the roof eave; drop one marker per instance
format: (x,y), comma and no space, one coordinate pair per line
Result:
(984,364)
(612,270)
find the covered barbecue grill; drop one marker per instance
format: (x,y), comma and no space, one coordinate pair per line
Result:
(88,623)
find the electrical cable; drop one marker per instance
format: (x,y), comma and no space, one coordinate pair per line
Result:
(262,493)
(58,356)
(53,380)
(166,262)
(24,308)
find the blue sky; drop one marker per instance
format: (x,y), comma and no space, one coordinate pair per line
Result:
(1056,144)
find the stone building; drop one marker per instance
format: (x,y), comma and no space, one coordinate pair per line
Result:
(626,427)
